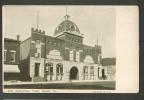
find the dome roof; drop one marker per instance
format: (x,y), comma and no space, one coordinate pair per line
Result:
(67,26)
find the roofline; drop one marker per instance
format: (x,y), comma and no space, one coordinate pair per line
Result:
(13,40)
(56,35)
(26,40)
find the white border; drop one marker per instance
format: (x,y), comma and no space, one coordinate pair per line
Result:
(127,55)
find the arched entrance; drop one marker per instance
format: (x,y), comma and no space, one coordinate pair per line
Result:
(73,73)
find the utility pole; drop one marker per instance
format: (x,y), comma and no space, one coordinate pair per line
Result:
(37,19)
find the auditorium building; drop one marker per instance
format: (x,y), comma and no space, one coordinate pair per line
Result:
(61,57)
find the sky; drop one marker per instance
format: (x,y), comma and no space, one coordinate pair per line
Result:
(91,20)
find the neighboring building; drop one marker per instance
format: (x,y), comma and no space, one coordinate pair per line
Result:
(62,57)
(109,65)
(11,59)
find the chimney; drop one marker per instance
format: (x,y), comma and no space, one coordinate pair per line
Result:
(18,38)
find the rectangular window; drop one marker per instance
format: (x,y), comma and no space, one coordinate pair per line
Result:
(5,51)
(38,45)
(12,56)
(57,70)
(71,55)
(51,70)
(85,69)
(99,57)
(78,56)
(47,69)
(38,52)
(92,70)
(61,70)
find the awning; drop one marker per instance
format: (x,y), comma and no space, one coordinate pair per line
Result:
(11,68)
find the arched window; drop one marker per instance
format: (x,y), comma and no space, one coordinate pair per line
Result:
(59,28)
(88,59)
(59,71)
(59,68)
(49,69)
(73,28)
(54,54)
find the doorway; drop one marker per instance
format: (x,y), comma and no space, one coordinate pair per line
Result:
(74,73)
(103,73)
(37,65)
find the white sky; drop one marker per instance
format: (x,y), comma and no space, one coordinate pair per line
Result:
(90,20)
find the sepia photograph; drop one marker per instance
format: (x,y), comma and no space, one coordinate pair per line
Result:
(63,47)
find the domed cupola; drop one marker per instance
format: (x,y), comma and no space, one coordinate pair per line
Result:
(67,26)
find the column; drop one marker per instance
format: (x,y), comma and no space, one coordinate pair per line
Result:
(54,71)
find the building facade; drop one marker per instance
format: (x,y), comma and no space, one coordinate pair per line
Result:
(11,59)
(62,57)
(110,67)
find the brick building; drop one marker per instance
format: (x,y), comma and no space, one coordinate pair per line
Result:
(11,59)
(61,57)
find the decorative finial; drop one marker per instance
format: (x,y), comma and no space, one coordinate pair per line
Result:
(66,16)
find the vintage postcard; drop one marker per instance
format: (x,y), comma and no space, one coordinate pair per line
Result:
(70,49)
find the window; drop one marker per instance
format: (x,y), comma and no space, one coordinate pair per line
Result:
(92,70)
(38,49)
(73,28)
(37,42)
(85,69)
(92,73)
(59,71)
(59,28)
(98,72)
(78,56)
(71,55)
(99,57)
(12,56)
(59,68)
(38,53)
(49,68)
(5,51)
